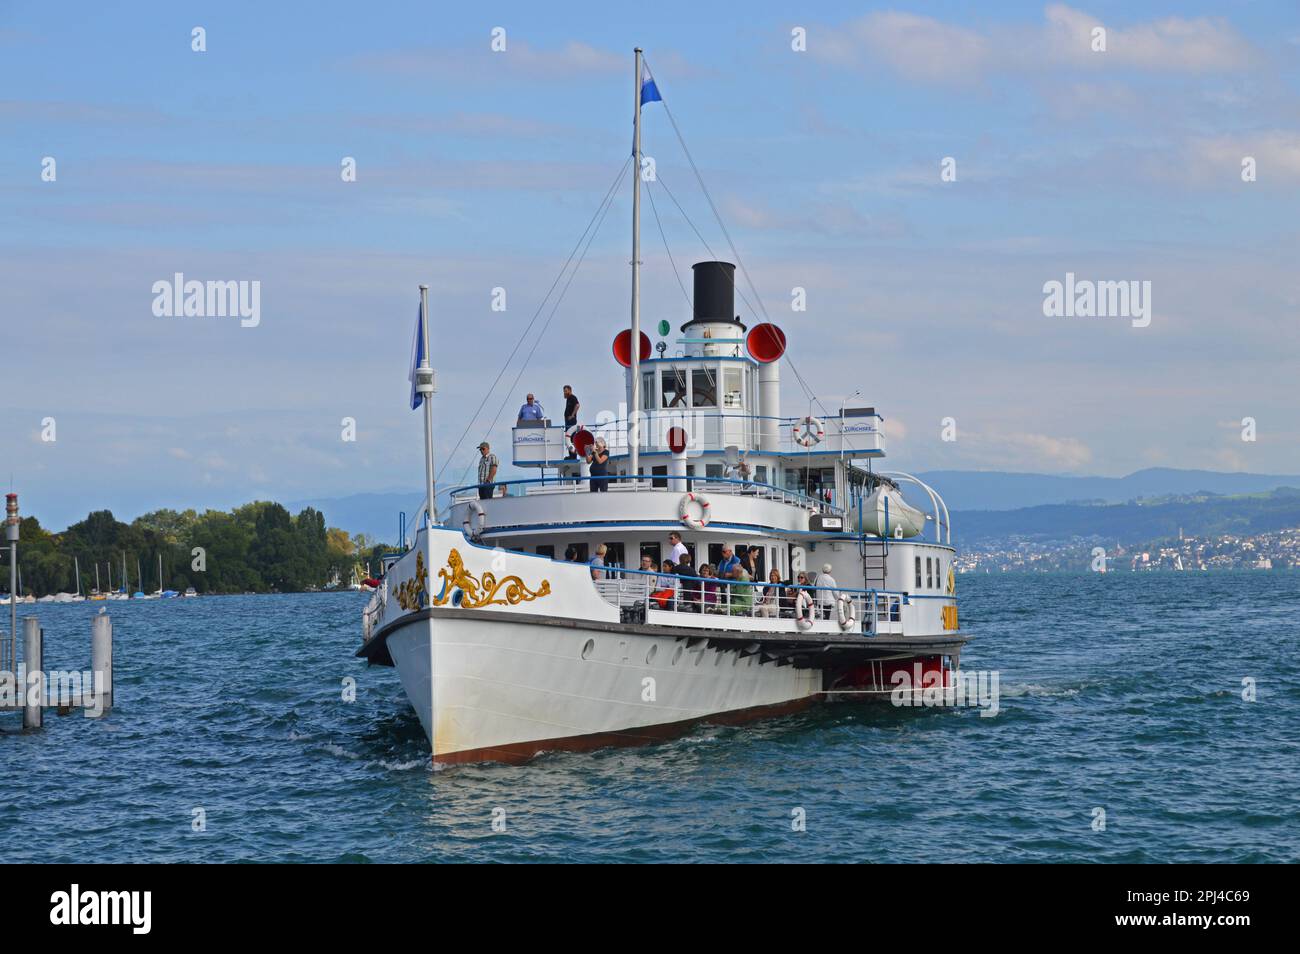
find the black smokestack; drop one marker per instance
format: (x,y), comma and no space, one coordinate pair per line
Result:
(715,291)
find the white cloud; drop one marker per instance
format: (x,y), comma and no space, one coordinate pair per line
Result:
(926,49)
(1276,154)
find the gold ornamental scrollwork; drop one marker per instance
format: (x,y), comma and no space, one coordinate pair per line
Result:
(488,591)
(414,593)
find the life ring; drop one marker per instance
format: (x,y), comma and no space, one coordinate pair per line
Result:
(809,431)
(803,610)
(687,518)
(847,615)
(474,508)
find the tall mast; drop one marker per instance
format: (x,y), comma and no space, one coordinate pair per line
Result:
(424,386)
(633,437)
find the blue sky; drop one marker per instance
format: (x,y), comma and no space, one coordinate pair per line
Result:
(478,169)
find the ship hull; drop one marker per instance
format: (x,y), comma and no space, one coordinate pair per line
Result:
(503,690)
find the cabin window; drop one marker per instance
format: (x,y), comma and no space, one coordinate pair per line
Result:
(929,574)
(712,470)
(918,573)
(715,554)
(704,388)
(674,388)
(613,554)
(660,476)
(648,390)
(732,395)
(547,550)
(760,473)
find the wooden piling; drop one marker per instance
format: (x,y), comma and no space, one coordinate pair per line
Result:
(34,684)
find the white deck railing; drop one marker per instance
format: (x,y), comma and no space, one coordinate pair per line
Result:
(737,605)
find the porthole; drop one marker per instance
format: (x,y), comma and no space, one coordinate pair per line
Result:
(677,655)
(651,653)
(588,648)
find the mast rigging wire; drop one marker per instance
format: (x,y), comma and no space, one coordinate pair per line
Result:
(599,213)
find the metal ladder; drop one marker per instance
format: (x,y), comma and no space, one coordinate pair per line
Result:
(874,553)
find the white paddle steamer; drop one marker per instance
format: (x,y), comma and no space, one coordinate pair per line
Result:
(507,649)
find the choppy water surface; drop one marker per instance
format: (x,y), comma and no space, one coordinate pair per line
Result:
(1121,692)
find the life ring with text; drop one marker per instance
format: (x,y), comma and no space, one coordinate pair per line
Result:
(847,614)
(809,432)
(803,610)
(687,516)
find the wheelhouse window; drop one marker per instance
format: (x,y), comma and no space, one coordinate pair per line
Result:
(675,394)
(704,388)
(918,573)
(733,397)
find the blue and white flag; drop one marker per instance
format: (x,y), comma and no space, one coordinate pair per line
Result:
(417,355)
(649,91)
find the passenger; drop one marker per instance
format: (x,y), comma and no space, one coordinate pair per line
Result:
(728,562)
(647,566)
(487,471)
(570,554)
(769,604)
(530,410)
(677,551)
(750,561)
(708,590)
(571,408)
(598,563)
(598,458)
(826,594)
(688,587)
(743,472)
(665,593)
(790,598)
(742,596)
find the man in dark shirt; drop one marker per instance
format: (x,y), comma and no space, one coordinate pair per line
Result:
(571,407)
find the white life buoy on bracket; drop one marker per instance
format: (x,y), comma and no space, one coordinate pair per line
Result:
(809,431)
(803,610)
(847,614)
(473,508)
(685,511)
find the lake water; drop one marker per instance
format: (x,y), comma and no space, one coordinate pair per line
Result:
(1120,692)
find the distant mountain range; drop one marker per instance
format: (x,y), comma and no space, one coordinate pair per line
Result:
(376,514)
(995,490)
(1135,521)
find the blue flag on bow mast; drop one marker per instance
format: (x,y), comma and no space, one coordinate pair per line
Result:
(649,91)
(417,355)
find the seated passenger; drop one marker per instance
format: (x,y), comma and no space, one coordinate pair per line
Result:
(688,587)
(708,590)
(742,597)
(769,603)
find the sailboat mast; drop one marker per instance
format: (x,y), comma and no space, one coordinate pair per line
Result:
(634,368)
(76,566)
